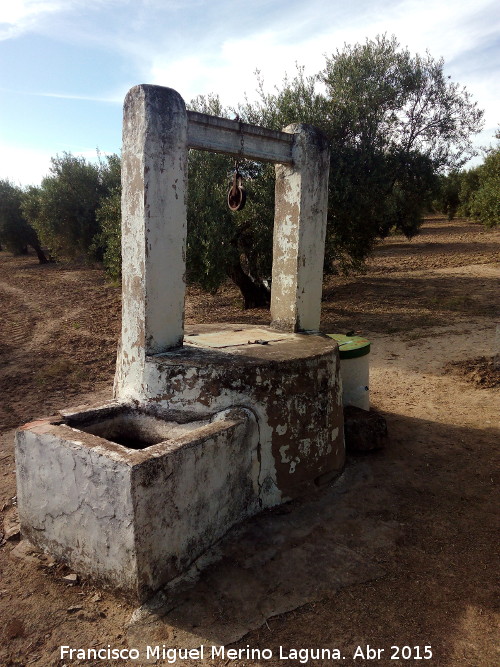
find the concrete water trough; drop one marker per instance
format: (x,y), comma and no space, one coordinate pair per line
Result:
(134,516)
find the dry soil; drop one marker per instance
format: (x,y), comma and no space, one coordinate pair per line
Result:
(400,552)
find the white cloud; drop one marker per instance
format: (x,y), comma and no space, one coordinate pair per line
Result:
(18,16)
(213,46)
(63,18)
(28,166)
(17,11)
(23,166)
(226,65)
(203,44)
(111,98)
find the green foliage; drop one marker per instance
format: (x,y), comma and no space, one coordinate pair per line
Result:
(448,197)
(222,243)
(211,225)
(485,202)
(108,216)
(394,121)
(110,173)
(15,232)
(474,193)
(468,185)
(382,97)
(63,209)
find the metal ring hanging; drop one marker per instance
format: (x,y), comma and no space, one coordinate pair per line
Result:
(236,196)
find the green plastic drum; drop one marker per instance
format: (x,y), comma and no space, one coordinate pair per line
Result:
(354,369)
(351,346)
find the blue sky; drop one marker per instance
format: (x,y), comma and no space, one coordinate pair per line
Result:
(66,65)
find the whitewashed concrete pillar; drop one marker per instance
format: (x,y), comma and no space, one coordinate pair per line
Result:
(301,204)
(154,184)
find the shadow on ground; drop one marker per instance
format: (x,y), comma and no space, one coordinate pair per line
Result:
(382,305)
(424,505)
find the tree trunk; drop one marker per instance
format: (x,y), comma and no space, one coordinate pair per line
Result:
(42,259)
(255,294)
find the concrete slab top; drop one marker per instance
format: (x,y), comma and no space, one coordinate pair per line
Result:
(235,337)
(225,344)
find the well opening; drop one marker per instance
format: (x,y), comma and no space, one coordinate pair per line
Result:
(134,429)
(130,431)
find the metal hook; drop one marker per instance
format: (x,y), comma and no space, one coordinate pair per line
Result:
(236,196)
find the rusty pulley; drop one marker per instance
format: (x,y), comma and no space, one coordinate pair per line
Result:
(236,196)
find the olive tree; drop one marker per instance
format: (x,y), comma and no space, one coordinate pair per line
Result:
(63,209)
(474,193)
(395,121)
(484,203)
(16,234)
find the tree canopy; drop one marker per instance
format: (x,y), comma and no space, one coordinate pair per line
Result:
(484,202)
(474,193)
(394,121)
(15,231)
(396,125)
(64,208)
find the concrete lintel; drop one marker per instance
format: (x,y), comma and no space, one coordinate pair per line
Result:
(232,137)
(301,206)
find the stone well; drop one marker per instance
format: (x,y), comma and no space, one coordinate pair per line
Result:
(210,423)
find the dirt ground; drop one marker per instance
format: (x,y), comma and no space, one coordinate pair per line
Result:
(399,552)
